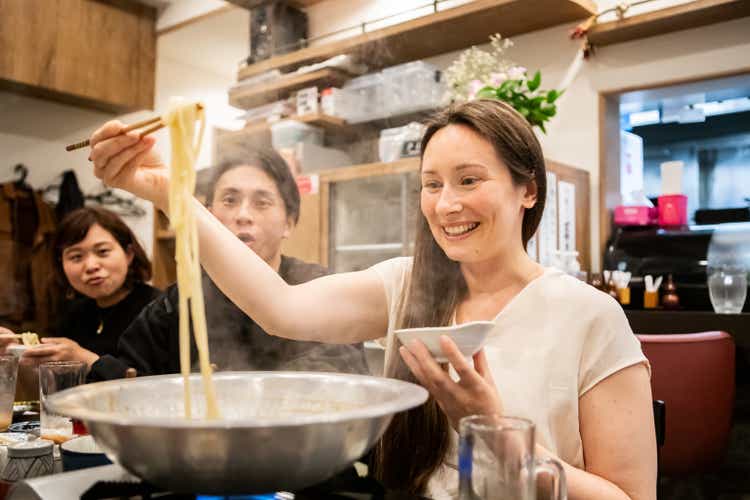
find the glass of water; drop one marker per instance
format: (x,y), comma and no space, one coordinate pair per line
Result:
(54,377)
(727,287)
(8,376)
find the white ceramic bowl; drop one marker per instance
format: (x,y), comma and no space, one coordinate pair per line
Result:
(469,337)
(18,349)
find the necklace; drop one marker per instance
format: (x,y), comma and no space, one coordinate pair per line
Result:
(100,327)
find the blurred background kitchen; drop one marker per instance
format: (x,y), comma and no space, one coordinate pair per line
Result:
(648,153)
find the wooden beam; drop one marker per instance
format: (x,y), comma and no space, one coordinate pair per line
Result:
(681,17)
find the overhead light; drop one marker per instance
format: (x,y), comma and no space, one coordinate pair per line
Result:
(641,118)
(690,114)
(723,107)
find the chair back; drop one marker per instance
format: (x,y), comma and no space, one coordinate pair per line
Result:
(694,375)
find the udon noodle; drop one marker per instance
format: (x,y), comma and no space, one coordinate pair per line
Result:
(186,142)
(29,339)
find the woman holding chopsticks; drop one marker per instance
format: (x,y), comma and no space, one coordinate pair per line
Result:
(561,354)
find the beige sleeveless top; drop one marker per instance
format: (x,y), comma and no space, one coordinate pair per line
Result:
(553,342)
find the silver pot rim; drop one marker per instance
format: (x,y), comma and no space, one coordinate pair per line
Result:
(68,402)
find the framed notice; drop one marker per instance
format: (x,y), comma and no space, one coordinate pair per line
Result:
(547,242)
(566,213)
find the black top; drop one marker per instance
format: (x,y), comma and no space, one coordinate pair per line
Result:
(83,319)
(236,342)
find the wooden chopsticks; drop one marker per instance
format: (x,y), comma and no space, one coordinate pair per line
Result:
(156,123)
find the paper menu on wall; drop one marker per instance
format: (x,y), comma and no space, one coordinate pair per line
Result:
(631,166)
(566,196)
(547,235)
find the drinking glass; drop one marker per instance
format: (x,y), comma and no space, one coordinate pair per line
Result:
(727,288)
(8,376)
(496,461)
(54,377)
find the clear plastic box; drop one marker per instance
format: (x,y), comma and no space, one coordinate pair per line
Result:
(365,93)
(392,141)
(288,133)
(413,86)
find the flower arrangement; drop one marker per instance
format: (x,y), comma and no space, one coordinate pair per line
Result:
(478,74)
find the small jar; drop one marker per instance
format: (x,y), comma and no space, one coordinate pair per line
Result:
(650,300)
(29,459)
(624,295)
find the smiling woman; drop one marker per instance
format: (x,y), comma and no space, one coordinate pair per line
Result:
(104,270)
(577,372)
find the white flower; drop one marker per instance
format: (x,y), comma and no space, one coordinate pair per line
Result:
(517,73)
(496,79)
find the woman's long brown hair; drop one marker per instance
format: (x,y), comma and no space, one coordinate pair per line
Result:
(415,444)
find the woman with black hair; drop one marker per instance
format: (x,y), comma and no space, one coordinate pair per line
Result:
(103,270)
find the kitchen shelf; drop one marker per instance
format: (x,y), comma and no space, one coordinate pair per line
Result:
(250,96)
(681,17)
(445,31)
(369,170)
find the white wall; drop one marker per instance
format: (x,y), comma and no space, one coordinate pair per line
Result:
(35,132)
(573,135)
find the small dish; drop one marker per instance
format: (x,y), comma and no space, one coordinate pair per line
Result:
(469,337)
(82,453)
(18,349)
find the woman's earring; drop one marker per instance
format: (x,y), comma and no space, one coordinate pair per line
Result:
(70,293)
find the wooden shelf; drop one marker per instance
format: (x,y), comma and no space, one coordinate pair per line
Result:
(254,95)
(681,17)
(369,170)
(444,31)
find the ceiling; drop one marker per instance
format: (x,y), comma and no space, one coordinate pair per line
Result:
(215,43)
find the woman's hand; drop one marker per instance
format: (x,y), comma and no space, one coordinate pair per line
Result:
(59,349)
(473,394)
(124,161)
(7,337)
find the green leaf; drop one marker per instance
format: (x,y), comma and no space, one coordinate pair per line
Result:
(548,110)
(537,101)
(541,126)
(533,84)
(487,93)
(505,86)
(552,96)
(524,111)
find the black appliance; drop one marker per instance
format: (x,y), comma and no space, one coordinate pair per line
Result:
(681,252)
(276,29)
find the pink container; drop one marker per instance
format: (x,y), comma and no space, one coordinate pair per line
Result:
(673,210)
(635,216)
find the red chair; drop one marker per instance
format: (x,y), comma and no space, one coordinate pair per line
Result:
(694,375)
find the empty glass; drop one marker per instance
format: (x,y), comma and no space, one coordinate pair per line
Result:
(8,376)
(54,377)
(496,461)
(727,287)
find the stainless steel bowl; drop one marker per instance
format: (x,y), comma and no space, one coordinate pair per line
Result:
(279,430)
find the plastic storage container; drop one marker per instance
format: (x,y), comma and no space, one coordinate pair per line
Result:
(365,93)
(288,133)
(335,102)
(400,142)
(413,86)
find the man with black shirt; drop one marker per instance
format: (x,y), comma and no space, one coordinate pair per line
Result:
(255,196)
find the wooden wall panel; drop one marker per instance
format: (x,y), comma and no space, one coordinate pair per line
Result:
(94,53)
